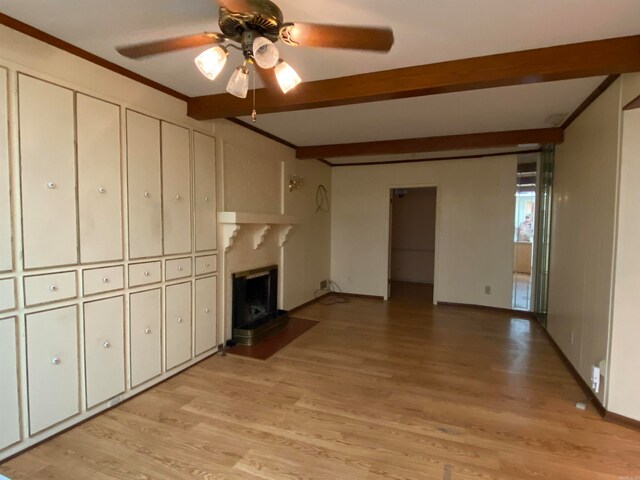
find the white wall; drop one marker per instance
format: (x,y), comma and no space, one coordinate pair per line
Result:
(413,236)
(476,201)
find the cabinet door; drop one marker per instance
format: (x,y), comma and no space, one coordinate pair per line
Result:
(178,324)
(176,189)
(52,363)
(9,406)
(143,167)
(47,155)
(206,326)
(99,182)
(205,191)
(145,323)
(104,349)
(6,260)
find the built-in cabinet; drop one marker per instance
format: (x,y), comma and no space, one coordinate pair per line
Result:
(107,296)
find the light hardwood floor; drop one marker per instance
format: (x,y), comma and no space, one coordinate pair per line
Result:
(397,390)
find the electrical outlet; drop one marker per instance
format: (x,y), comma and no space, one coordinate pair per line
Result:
(324,284)
(595,378)
(487,289)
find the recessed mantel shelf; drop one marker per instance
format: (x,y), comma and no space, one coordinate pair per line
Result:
(262,224)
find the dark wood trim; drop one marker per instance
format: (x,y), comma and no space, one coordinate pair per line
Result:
(435,144)
(307,304)
(633,104)
(435,159)
(622,420)
(508,311)
(72,49)
(590,99)
(259,131)
(326,162)
(595,401)
(562,62)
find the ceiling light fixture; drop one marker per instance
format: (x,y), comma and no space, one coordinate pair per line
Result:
(287,77)
(212,61)
(239,82)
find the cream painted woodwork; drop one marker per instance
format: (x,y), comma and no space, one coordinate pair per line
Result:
(47,151)
(55,287)
(104,349)
(178,268)
(177,324)
(176,189)
(9,400)
(205,191)
(100,280)
(144,273)
(206,264)
(7,294)
(144,189)
(99,180)
(52,363)
(205,315)
(6,256)
(145,320)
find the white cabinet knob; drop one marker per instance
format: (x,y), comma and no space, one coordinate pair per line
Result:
(207,265)
(147,194)
(180,320)
(55,361)
(51,185)
(178,197)
(106,344)
(146,274)
(105,280)
(53,288)
(101,190)
(147,331)
(180,269)
(206,310)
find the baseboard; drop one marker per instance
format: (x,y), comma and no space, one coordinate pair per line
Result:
(622,420)
(306,304)
(359,295)
(519,313)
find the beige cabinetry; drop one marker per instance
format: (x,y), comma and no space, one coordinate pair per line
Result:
(206,264)
(52,363)
(177,324)
(55,287)
(7,294)
(145,335)
(204,151)
(6,260)
(144,188)
(99,182)
(176,189)
(104,349)
(47,154)
(101,280)
(144,274)
(9,400)
(205,315)
(178,268)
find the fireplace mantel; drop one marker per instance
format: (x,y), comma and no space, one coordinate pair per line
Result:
(261,224)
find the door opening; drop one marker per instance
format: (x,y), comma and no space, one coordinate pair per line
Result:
(412,243)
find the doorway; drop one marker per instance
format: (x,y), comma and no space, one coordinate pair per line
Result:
(412,243)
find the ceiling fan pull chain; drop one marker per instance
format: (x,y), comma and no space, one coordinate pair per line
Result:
(254,114)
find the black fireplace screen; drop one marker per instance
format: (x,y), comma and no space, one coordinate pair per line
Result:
(255,297)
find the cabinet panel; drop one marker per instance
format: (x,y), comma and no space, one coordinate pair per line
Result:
(99,182)
(144,191)
(145,323)
(55,287)
(52,363)
(100,280)
(205,191)
(7,294)
(206,264)
(144,274)
(178,268)
(6,260)
(9,400)
(206,326)
(104,349)
(178,324)
(176,189)
(47,150)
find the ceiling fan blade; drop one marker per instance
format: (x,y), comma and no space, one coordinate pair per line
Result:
(235,5)
(170,45)
(378,39)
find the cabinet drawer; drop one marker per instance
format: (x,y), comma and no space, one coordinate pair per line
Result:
(99,280)
(104,349)
(145,323)
(207,264)
(7,294)
(52,362)
(55,287)
(179,268)
(9,402)
(144,274)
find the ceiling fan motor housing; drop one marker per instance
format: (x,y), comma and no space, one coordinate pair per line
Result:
(264,18)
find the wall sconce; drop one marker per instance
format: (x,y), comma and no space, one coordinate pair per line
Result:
(295,183)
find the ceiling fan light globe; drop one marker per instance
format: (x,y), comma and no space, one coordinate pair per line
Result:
(239,82)
(287,77)
(212,61)
(265,53)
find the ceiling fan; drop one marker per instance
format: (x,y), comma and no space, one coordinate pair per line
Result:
(256,25)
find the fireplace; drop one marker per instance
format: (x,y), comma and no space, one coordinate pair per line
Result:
(255,311)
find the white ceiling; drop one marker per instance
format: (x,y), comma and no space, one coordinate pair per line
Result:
(426,31)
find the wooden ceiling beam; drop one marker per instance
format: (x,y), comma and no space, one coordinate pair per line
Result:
(435,144)
(564,62)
